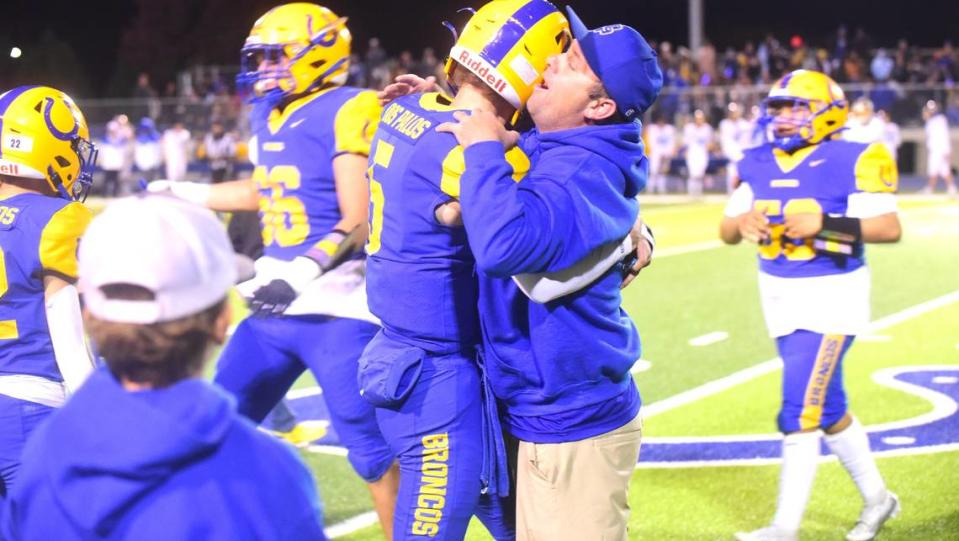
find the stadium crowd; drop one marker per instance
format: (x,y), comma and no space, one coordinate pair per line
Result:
(898,81)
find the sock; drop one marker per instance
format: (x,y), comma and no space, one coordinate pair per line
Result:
(851,446)
(800,459)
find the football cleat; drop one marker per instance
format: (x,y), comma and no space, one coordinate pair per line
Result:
(769,533)
(873,517)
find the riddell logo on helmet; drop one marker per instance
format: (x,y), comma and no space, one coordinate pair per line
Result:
(9,169)
(482,70)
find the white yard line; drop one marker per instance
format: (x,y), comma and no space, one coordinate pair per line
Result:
(910,451)
(763,368)
(709,339)
(351,525)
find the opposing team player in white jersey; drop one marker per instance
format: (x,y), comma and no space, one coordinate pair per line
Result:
(735,134)
(698,138)
(660,149)
(938,149)
(863,126)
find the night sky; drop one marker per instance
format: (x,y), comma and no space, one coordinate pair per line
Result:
(97,47)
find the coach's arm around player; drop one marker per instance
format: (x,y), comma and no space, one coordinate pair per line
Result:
(562,368)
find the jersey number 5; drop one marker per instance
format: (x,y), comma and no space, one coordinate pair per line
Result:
(779,244)
(382,155)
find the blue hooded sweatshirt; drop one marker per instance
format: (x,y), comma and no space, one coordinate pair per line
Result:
(561,368)
(172,463)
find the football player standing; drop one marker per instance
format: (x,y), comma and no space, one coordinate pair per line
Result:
(46,166)
(811,200)
(421,370)
(310,145)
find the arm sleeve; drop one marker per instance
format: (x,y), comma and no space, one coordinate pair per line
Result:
(356,123)
(545,287)
(740,202)
(60,238)
(66,333)
(511,230)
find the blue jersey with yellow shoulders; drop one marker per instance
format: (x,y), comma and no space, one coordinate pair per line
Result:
(294,150)
(38,237)
(817,179)
(421,281)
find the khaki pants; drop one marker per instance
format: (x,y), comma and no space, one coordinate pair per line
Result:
(577,490)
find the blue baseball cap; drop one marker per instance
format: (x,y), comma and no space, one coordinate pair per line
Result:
(623,61)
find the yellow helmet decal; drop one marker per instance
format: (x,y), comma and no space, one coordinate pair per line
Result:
(506,44)
(44,136)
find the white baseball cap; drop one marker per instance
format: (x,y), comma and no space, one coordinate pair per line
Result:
(177,250)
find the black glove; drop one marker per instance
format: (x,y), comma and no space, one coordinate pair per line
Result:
(272,299)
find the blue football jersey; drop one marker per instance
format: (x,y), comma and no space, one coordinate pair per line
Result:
(421,280)
(294,153)
(819,179)
(38,237)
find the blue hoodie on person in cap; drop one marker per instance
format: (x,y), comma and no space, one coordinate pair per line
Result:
(560,368)
(172,463)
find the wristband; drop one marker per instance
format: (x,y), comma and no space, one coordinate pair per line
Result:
(325,252)
(647,234)
(839,235)
(841,228)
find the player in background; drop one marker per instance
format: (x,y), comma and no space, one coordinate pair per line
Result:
(311,138)
(891,136)
(661,148)
(938,149)
(697,138)
(863,126)
(421,370)
(46,167)
(810,200)
(734,135)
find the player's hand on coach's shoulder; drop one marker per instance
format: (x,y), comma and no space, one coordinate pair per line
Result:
(406,84)
(479,126)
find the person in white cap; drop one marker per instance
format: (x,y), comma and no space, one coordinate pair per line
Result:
(146,449)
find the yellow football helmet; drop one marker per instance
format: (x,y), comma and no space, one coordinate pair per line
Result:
(45,137)
(506,44)
(294,49)
(812,90)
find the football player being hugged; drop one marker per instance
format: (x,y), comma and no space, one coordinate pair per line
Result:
(811,200)
(46,165)
(421,370)
(311,138)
